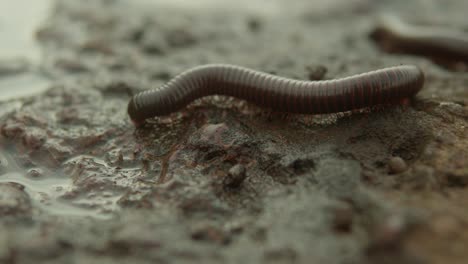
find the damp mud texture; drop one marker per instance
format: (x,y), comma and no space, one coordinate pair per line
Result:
(223,181)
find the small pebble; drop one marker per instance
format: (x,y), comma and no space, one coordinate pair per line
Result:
(316,73)
(235,177)
(397,165)
(343,219)
(35,173)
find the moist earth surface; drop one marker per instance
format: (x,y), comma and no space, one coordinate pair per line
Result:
(224,181)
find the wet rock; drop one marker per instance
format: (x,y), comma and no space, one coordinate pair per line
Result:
(235,176)
(14,200)
(115,157)
(396,165)
(90,173)
(12,129)
(55,152)
(34,138)
(102,184)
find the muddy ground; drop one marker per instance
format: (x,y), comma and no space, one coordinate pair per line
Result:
(224,181)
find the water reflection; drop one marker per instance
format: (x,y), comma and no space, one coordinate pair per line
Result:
(46,189)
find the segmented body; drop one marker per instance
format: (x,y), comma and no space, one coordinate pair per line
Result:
(442,44)
(281,94)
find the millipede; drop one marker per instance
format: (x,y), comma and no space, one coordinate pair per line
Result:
(383,86)
(396,36)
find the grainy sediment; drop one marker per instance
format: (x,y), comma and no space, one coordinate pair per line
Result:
(223,181)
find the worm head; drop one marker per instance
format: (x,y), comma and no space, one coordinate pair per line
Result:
(134,115)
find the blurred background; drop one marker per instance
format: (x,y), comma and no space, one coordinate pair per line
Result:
(19,49)
(81,183)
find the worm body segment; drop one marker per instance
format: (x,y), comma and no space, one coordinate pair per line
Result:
(281,94)
(396,36)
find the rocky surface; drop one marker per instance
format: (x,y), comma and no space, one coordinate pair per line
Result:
(222,180)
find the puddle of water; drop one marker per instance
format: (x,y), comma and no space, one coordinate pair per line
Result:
(44,191)
(22,85)
(47,191)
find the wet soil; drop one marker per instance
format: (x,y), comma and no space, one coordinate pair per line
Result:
(223,180)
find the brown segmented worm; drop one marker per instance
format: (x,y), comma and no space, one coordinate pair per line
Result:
(383,86)
(396,36)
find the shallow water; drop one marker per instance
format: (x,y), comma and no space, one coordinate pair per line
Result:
(20,58)
(48,191)
(21,85)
